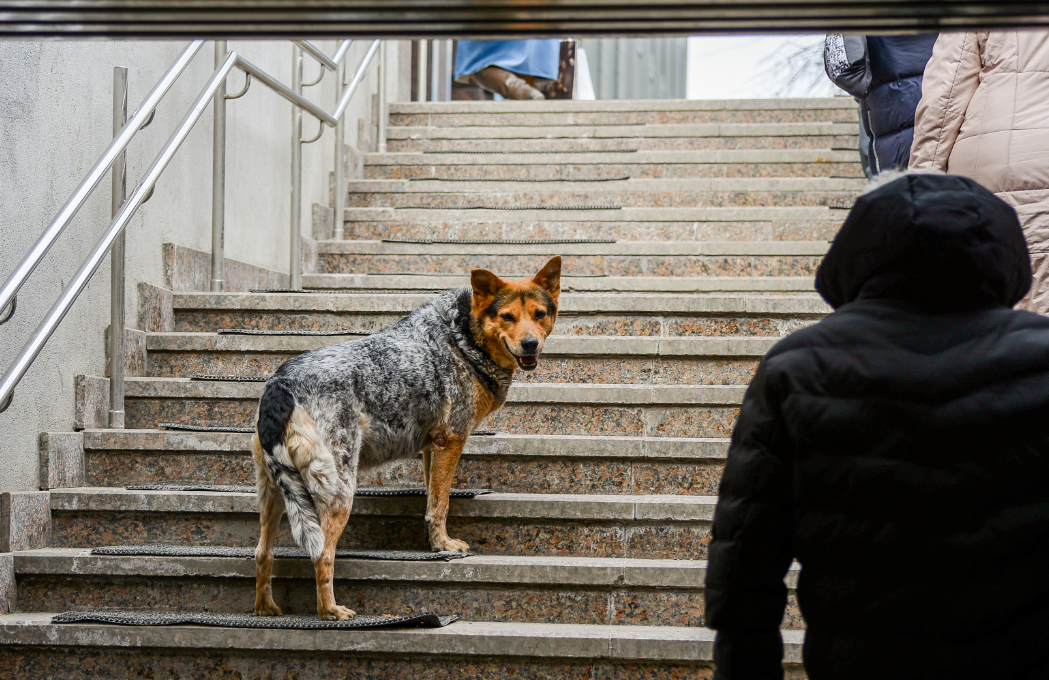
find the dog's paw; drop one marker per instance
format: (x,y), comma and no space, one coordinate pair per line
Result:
(266,609)
(451,545)
(337,613)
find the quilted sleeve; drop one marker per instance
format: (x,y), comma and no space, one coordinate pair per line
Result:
(845,61)
(951,78)
(750,550)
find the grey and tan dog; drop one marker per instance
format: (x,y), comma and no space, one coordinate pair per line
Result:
(420,385)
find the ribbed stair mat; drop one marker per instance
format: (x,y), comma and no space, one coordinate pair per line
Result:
(500,241)
(290,622)
(366,492)
(162,550)
(503,152)
(508,207)
(503,275)
(462,125)
(521,179)
(205,428)
(229,378)
(252,331)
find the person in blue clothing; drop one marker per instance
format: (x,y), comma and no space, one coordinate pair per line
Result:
(497,65)
(885,74)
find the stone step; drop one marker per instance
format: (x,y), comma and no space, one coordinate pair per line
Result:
(729,163)
(512,589)
(790,223)
(777,258)
(650,527)
(646,131)
(549,408)
(571,284)
(503,462)
(600,197)
(631,314)
(32,646)
(615,148)
(565,359)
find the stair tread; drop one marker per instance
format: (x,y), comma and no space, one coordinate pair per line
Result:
(597,132)
(619,248)
(642,184)
(641,157)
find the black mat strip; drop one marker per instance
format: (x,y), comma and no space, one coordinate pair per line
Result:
(502,275)
(367,492)
(148,618)
(205,428)
(161,550)
(840,206)
(558,125)
(252,331)
(534,151)
(507,207)
(500,241)
(229,378)
(522,179)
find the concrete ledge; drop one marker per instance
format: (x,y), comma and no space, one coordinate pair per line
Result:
(545,393)
(61,459)
(507,445)
(639,185)
(571,303)
(648,131)
(536,640)
(8,589)
(624,105)
(617,249)
(91,402)
(606,508)
(625,214)
(155,313)
(643,157)
(25,520)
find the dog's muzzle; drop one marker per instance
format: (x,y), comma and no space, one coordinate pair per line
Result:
(527,362)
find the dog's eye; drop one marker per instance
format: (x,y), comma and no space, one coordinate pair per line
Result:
(507,317)
(539,314)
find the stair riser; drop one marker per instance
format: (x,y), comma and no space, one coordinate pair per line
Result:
(563,419)
(597,605)
(511,474)
(623,118)
(470,228)
(625,145)
(116,662)
(552,368)
(487,536)
(513,266)
(567,324)
(599,196)
(608,171)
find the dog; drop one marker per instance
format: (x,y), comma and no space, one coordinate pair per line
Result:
(419,385)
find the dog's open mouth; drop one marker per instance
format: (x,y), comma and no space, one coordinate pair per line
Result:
(527,362)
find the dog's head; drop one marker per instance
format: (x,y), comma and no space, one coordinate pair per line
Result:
(512,319)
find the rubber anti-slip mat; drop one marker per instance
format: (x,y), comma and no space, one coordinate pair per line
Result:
(159,550)
(220,488)
(289,622)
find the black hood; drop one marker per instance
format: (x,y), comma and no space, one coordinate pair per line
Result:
(939,241)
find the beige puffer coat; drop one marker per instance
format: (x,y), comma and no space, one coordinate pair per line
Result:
(984,114)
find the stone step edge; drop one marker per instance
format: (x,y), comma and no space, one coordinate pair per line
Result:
(562,507)
(469,639)
(642,157)
(648,131)
(476,569)
(670,284)
(570,303)
(556,345)
(633,185)
(617,249)
(502,444)
(624,105)
(630,214)
(520,393)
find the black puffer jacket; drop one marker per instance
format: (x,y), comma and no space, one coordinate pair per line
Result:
(899,450)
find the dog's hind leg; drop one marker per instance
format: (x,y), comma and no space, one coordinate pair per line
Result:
(271,509)
(333,522)
(444,454)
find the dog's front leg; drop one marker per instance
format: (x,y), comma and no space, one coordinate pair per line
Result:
(444,456)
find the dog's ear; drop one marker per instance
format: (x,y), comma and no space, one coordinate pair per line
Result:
(486,285)
(549,277)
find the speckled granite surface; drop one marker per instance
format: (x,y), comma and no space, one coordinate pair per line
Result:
(62,461)
(155,314)
(25,520)
(187,269)
(91,402)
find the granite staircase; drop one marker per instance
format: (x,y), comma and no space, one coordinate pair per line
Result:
(690,233)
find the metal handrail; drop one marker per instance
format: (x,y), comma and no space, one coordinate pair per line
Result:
(69,295)
(32,259)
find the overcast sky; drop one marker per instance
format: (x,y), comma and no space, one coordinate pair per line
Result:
(755,67)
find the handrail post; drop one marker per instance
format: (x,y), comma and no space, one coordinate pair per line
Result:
(218,180)
(339,177)
(381,145)
(116,259)
(296,173)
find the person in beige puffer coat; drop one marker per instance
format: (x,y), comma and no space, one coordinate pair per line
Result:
(984,114)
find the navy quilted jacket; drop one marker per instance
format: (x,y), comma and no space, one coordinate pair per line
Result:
(899,451)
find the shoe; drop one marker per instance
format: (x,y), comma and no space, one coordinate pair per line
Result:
(504,83)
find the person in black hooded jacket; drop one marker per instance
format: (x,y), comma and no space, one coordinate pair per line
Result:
(899,451)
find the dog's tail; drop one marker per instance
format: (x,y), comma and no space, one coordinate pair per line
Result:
(275,411)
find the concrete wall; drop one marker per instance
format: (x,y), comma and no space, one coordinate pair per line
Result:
(56,119)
